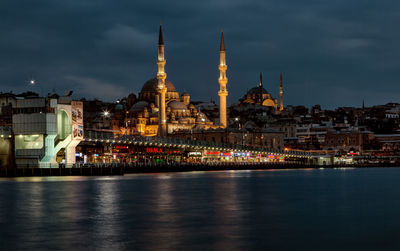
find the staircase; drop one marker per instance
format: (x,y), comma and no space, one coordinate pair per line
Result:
(54,145)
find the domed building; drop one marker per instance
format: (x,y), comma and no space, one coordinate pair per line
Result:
(258,95)
(149,91)
(143,117)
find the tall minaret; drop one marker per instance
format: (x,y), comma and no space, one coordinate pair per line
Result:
(261,90)
(281,94)
(222,83)
(161,88)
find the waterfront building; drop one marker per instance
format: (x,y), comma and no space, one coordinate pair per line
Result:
(46,128)
(6,147)
(348,141)
(389,142)
(267,138)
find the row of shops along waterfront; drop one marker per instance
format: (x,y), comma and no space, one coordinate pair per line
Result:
(119,153)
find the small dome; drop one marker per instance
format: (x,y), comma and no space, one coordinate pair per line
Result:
(139,106)
(176,105)
(201,117)
(184,94)
(119,107)
(151,86)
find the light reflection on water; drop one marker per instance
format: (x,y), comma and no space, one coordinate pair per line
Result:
(226,210)
(107,215)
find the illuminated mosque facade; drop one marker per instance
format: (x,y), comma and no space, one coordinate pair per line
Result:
(161,110)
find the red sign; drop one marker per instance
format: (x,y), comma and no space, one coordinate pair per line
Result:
(154,150)
(121,147)
(172,151)
(213,153)
(226,154)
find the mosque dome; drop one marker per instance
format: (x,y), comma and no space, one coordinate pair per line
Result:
(201,117)
(151,86)
(176,105)
(256,90)
(139,106)
(149,91)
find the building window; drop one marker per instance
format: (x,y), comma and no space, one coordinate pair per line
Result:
(34,141)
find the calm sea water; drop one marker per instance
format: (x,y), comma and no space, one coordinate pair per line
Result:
(340,209)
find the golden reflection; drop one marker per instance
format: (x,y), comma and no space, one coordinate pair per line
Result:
(30,206)
(166,220)
(228,212)
(34,203)
(108,214)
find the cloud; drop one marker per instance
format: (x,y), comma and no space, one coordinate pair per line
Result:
(95,88)
(351,44)
(109,47)
(124,37)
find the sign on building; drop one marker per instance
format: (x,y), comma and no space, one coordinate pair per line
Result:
(77,120)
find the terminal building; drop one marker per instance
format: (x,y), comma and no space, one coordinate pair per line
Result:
(46,131)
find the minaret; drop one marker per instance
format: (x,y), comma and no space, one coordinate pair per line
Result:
(261,90)
(281,94)
(222,83)
(161,87)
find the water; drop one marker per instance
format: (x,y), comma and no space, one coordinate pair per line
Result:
(341,209)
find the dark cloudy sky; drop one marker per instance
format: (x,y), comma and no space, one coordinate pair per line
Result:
(335,53)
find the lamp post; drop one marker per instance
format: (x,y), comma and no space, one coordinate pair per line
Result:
(105,115)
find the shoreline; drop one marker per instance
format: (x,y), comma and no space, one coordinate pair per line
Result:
(121,169)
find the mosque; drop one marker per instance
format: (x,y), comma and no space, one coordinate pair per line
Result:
(161,110)
(258,95)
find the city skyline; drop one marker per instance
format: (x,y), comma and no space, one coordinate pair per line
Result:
(342,54)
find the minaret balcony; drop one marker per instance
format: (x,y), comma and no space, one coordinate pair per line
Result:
(223,67)
(223,93)
(222,81)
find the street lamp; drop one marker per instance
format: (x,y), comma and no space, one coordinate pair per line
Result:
(105,115)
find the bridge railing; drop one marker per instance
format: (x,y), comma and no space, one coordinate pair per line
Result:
(99,135)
